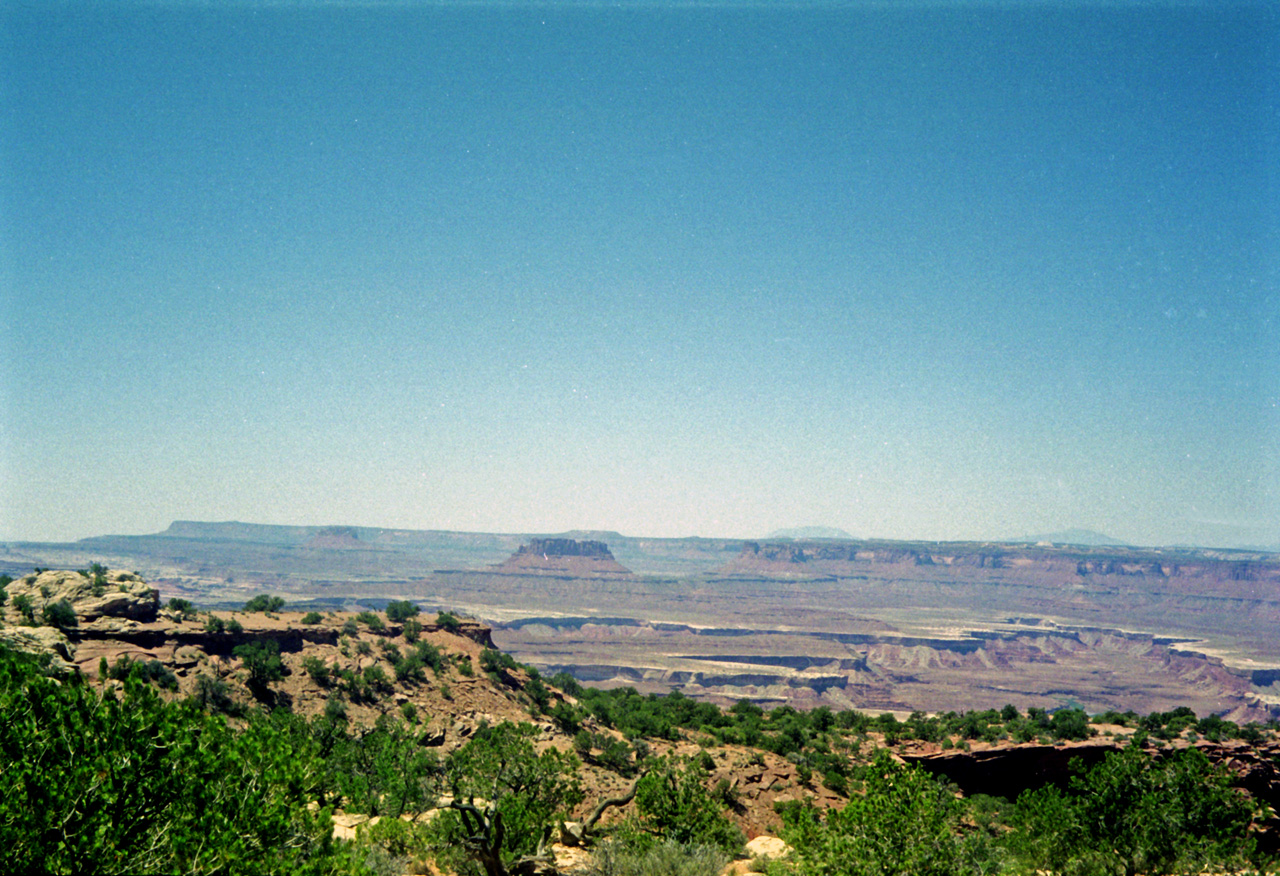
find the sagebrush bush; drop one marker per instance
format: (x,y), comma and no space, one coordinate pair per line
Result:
(666,858)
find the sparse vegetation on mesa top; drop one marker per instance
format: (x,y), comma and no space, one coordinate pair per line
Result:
(97,575)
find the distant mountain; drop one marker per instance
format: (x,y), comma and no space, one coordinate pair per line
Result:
(1081,537)
(810,532)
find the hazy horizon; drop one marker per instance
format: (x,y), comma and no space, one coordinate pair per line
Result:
(943,271)
(1070,536)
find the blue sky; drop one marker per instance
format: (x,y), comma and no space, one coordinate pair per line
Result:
(943,270)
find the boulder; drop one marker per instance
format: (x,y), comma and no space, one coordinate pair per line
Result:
(767,847)
(41,640)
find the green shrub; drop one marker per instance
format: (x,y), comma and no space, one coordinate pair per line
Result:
(410,669)
(98,578)
(264,602)
(566,717)
(317,669)
(262,660)
(131,783)
(1071,724)
(904,825)
(618,857)
(673,803)
(148,671)
(312,617)
(448,622)
(22,602)
(371,620)
(215,624)
(1133,813)
(538,695)
(376,679)
(497,663)
(401,610)
(334,711)
(836,782)
(59,614)
(153,671)
(567,683)
(412,631)
(182,607)
(527,792)
(213,695)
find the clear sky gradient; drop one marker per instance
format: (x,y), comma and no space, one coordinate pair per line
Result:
(936,270)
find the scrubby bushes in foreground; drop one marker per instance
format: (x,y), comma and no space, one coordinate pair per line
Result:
(127,782)
(1133,813)
(104,784)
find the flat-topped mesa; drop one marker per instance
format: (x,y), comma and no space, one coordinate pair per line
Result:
(336,538)
(565,547)
(787,559)
(564,556)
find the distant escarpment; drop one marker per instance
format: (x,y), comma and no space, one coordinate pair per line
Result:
(1066,564)
(565,557)
(1121,579)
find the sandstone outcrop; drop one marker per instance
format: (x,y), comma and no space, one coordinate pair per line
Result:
(106,602)
(115,594)
(41,640)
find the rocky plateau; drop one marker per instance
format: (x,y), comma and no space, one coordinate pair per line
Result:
(882,625)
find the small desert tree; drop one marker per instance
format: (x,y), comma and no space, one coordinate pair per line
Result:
(22,602)
(264,602)
(262,660)
(905,823)
(506,798)
(182,608)
(401,611)
(59,614)
(673,803)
